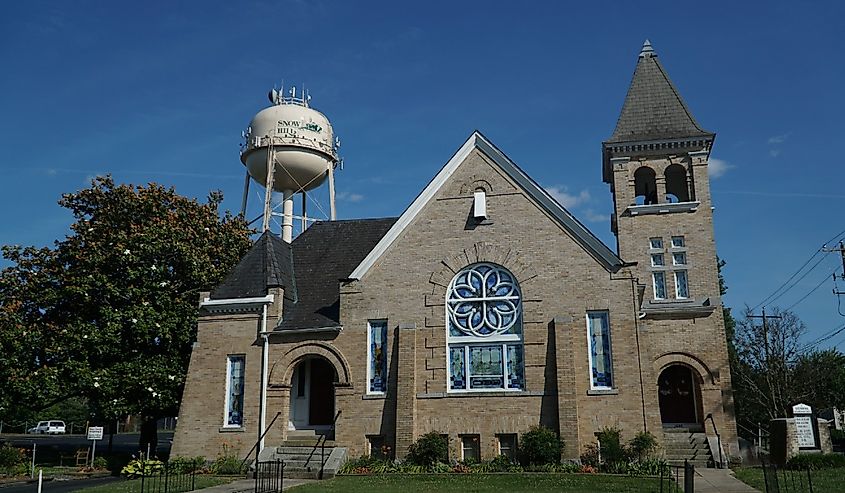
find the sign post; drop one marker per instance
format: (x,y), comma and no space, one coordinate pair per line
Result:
(803,415)
(94,433)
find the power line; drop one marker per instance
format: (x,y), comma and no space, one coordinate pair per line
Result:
(775,296)
(825,278)
(776,291)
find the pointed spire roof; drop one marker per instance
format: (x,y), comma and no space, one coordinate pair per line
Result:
(653,108)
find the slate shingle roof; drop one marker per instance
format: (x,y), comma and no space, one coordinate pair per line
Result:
(268,264)
(325,253)
(309,269)
(653,108)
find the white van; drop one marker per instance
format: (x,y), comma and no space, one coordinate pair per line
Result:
(48,427)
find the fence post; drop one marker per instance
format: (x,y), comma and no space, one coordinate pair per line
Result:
(166,477)
(809,479)
(689,477)
(193,479)
(661,480)
(143,474)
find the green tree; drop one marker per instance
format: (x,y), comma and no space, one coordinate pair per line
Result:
(823,375)
(109,313)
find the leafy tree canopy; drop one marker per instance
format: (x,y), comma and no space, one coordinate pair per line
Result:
(109,312)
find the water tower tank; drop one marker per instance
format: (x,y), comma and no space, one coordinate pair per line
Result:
(298,138)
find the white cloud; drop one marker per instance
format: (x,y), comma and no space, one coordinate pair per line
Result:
(595,217)
(717,167)
(566,199)
(774,152)
(349,197)
(778,139)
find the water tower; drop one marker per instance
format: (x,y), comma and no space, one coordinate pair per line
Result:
(289,148)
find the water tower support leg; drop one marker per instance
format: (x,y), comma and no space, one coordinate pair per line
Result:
(332,208)
(246,194)
(304,211)
(287,216)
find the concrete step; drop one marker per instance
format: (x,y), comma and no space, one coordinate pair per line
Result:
(305,443)
(286,448)
(669,447)
(301,457)
(681,457)
(702,464)
(303,464)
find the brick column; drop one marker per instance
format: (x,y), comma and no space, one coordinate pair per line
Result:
(406,389)
(278,401)
(566,391)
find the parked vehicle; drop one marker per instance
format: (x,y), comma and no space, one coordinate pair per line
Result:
(47,427)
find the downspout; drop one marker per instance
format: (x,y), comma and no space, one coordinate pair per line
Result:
(637,316)
(262,412)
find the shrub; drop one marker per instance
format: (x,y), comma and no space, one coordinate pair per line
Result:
(184,465)
(648,467)
(228,465)
(504,463)
(540,445)
(428,449)
(837,436)
(138,468)
(610,445)
(101,463)
(816,461)
(642,446)
(10,457)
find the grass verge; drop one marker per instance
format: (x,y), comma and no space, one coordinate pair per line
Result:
(824,480)
(134,485)
(484,483)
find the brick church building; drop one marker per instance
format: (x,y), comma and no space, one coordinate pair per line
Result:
(484,309)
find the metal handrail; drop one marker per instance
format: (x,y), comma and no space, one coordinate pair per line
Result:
(323,446)
(257,442)
(718,439)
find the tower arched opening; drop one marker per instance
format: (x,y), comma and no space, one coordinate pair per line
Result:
(677,188)
(645,186)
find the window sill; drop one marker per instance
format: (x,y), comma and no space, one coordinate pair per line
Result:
(232,429)
(373,397)
(603,392)
(481,393)
(667,208)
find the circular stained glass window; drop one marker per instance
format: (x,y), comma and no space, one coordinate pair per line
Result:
(483,300)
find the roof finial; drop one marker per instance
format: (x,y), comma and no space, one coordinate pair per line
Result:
(647,50)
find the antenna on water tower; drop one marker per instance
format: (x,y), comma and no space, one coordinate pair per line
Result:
(289,148)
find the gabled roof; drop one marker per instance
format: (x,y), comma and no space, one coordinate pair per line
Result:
(267,264)
(324,254)
(653,108)
(578,231)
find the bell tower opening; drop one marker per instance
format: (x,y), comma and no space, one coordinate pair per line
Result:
(677,189)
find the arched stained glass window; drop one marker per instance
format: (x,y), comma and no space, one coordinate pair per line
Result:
(484,330)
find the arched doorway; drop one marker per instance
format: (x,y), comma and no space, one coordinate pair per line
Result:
(679,393)
(312,395)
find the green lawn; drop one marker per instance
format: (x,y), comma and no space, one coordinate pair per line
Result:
(483,483)
(134,485)
(824,481)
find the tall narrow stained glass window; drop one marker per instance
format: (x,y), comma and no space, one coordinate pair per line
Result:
(235,391)
(598,333)
(484,330)
(377,356)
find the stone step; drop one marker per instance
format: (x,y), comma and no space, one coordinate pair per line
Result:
(685,446)
(681,457)
(302,464)
(302,473)
(301,457)
(704,464)
(305,443)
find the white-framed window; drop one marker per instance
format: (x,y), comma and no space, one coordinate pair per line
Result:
(599,350)
(471,448)
(679,258)
(234,410)
(656,243)
(484,330)
(377,356)
(657,260)
(681,287)
(678,242)
(507,445)
(659,285)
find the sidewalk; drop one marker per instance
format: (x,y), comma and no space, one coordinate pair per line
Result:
(248,486)
(719,481)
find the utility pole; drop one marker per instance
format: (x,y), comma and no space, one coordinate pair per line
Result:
(841,251)
(765,331)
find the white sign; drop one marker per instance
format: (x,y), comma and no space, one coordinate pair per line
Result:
(801,409)
(804,430)
(95,433)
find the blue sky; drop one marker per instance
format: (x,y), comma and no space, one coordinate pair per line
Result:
(160,91)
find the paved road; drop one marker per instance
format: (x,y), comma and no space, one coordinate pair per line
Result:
(52,445)
(56,486)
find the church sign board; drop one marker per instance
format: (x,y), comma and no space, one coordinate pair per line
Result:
(804,426)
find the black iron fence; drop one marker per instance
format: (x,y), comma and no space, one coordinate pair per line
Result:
(166,479)
(678,479)
(269,476)
(781,480)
